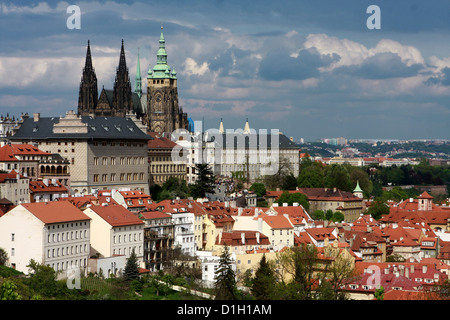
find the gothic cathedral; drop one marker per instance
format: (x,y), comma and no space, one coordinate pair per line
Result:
(158,109)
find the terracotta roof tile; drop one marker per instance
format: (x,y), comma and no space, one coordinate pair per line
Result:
(55,211)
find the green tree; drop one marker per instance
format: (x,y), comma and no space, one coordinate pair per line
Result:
(311,175)
(131,271)
(258,188)
(338,216)
(337,176)
(3,257)
(318,215)
(300,261)
(379,293)
(205,181)
(378,209)
(289,182)
(329,214)
(42,279)
(290,198)
(264,280)
(225,284)
(8,291)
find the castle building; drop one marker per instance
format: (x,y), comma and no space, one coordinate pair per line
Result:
(104,152)
(163,111)
(158,108)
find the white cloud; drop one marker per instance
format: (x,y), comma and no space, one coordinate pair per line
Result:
(354,53)
(191,67)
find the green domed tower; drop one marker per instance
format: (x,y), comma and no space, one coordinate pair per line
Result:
(163,112)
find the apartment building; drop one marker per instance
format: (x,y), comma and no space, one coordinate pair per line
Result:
(104,152)
(116,231)
(56,234)
(14,187)
(158,239)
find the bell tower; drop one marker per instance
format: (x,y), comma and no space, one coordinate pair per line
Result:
(163,112)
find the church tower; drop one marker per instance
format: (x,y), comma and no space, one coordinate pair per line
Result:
(122,101)
(88,94)
(163,111)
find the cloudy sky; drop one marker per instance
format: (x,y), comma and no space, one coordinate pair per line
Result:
(312,69)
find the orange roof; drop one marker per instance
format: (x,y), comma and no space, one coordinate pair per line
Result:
(234,238)
(116,215)
(8,152)
(12,175)
(321,233)
(154,215)
(55,211)
(40,186)
(425,195)
(276,222)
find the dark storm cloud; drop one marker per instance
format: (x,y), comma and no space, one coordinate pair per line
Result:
(279,65)
(383,65)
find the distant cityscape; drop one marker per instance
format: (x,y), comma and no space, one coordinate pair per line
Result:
(109,191)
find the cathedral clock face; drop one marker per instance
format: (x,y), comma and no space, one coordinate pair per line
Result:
(158,97)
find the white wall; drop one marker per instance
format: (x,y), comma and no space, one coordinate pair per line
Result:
(28,238)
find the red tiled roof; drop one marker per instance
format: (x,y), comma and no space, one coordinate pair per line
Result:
(154,215)
(160,142)
(234,238)
(425,195)
(321,233)
(39,186)
(55,211)
(7,176)
(276,222)
(8,152)
(116,215)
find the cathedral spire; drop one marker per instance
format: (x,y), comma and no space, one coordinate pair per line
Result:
(138,80)
(122,102)
(88,94)
(122,60)
(88,63)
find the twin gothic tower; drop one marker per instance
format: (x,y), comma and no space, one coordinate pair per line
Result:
(158,108)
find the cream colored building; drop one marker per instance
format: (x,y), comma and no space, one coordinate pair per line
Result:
(56,234)
(104,152)
(14,187)
(116,231)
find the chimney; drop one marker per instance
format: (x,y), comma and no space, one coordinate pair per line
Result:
(295,204)
(36,117)
(407,273)
(424,268)
(257,237)
(386,271)
(260,224)
(243,237)
(285,204)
